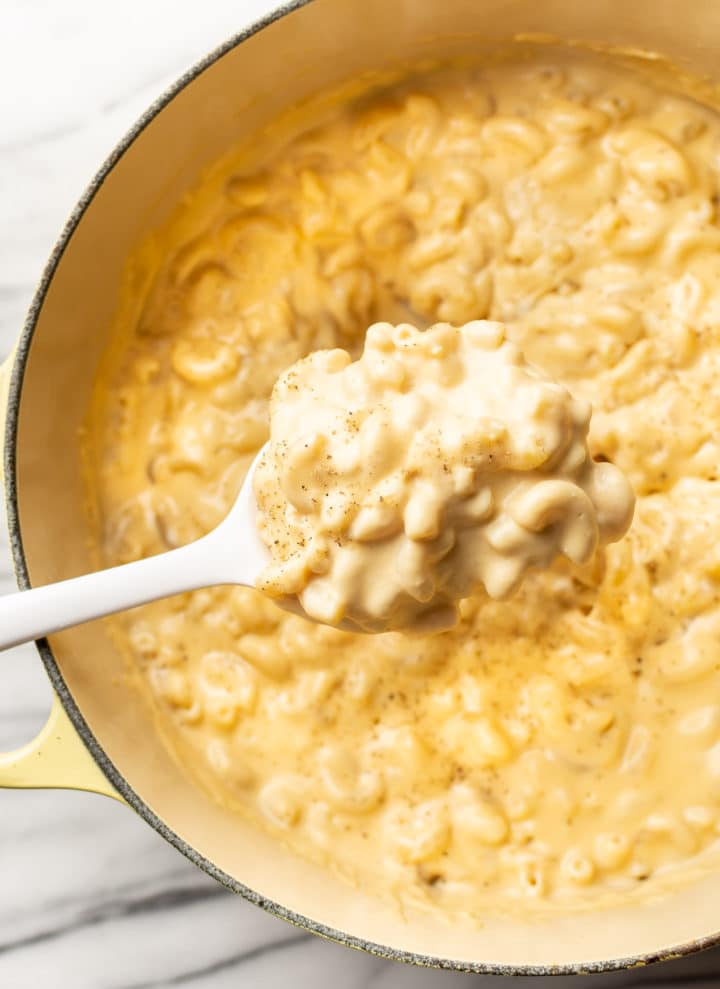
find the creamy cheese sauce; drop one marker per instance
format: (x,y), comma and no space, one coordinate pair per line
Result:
(438,465)
(559,749)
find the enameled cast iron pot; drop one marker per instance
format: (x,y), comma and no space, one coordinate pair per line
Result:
(99,737)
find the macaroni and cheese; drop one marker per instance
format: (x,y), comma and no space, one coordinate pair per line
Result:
(553,751)
(437,465)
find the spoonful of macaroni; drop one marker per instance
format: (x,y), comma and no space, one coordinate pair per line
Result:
(438,465)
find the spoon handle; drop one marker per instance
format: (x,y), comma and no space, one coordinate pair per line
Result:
(39,611)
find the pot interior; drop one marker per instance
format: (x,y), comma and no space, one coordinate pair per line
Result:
(317,46)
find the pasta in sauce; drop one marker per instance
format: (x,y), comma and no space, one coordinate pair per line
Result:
(438,465)
(553,751)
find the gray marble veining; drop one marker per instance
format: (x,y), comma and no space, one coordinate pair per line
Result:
(90,896)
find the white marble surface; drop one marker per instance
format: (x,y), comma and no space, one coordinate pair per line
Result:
(90,897)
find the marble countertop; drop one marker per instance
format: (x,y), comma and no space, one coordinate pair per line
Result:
(90,896)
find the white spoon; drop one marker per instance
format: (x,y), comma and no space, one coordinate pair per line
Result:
(232,553)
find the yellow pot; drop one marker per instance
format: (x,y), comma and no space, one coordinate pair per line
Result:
(99,736)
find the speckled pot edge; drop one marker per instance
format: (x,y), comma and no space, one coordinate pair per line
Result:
(53,671)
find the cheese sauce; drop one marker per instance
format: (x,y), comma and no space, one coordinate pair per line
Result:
(438,465)
(559,749)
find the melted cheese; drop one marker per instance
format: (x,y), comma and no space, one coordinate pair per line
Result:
(436,466)
(557,750)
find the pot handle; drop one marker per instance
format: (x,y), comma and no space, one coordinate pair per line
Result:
(55,759)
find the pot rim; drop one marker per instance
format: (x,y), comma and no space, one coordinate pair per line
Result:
(56,678)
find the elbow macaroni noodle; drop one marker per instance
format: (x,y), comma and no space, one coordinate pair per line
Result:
(558,750)
(437,465)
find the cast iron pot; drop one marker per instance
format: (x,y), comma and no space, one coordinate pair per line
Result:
(99,737)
